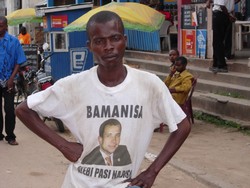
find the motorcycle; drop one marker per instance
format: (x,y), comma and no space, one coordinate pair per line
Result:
(43,81)
(24,84)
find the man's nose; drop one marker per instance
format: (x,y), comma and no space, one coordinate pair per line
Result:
(109,44)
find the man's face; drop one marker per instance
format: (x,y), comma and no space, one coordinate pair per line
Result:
(107,42)
(3,28)
(111,139)
(172,55)
(179,66)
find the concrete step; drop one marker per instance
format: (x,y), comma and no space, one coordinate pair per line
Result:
(222,88)
(239,64)
(225,107)
(215,87)
(241,79)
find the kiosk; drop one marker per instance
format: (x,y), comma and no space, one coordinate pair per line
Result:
(70,53)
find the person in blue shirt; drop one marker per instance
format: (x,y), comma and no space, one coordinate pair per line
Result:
(11,56)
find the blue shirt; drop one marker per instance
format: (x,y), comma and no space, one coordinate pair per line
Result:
(11,53)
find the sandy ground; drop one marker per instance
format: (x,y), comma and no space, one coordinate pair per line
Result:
(210,157)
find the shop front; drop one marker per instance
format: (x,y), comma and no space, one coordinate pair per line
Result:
(195,28)
(70,52)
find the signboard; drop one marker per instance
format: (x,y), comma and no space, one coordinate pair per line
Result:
(59,21)
(202,17)
(78,59)
(201,43)
(193,17)
(30,51)
(189,42)
(186,16)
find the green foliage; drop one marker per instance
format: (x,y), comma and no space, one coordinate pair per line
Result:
(220,122)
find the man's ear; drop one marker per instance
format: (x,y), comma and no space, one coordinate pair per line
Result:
(125,38)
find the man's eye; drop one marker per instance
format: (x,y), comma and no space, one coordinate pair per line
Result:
(116,38)
(98,41)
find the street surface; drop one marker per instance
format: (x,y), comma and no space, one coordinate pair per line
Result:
(211,157)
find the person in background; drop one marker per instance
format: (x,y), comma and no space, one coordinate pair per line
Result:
(221,20)
(173,54)
(24,37)
(11,56)
(179,81)
(139,100)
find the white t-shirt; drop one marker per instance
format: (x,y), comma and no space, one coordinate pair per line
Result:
(217,4)
(141,102)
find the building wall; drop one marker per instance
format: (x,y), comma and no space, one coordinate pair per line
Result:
(2,8)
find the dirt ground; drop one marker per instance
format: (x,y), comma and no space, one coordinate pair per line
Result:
(211,157)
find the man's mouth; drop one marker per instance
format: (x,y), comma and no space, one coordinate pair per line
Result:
(110,57)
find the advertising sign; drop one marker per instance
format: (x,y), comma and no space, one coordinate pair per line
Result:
(78,59)
(59,21)
(189,42)
(201,43)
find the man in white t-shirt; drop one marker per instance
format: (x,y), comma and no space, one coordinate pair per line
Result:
(221,20)
(110,90)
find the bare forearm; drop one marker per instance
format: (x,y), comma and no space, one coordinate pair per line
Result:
(175,140)
(71,150)
(31,120)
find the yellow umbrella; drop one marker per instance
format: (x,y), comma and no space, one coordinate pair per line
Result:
(23,15)
(135,16)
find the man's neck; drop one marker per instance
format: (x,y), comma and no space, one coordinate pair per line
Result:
(112,77)
(2,35)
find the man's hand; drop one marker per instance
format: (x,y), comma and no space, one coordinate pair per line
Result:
(208,4)
(172,71)
(72,151)
(143,180)
(232,18)
(172,90)
(10,85)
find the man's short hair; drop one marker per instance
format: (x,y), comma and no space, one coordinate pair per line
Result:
(176,50)
(104,17)
(4,19)
(112,122)
(182,59)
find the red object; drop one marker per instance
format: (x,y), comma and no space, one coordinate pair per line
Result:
(59,21)
(167,15)
(189,42)
(45,85)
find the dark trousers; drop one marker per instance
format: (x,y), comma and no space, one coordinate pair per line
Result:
(220,24)
(10,117)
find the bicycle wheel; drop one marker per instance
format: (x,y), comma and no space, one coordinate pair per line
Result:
(20,96)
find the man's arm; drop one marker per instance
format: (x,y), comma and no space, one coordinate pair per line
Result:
(208,3)
(185,85)
(174,142)
(71,150)
(10,82)
(167,81)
